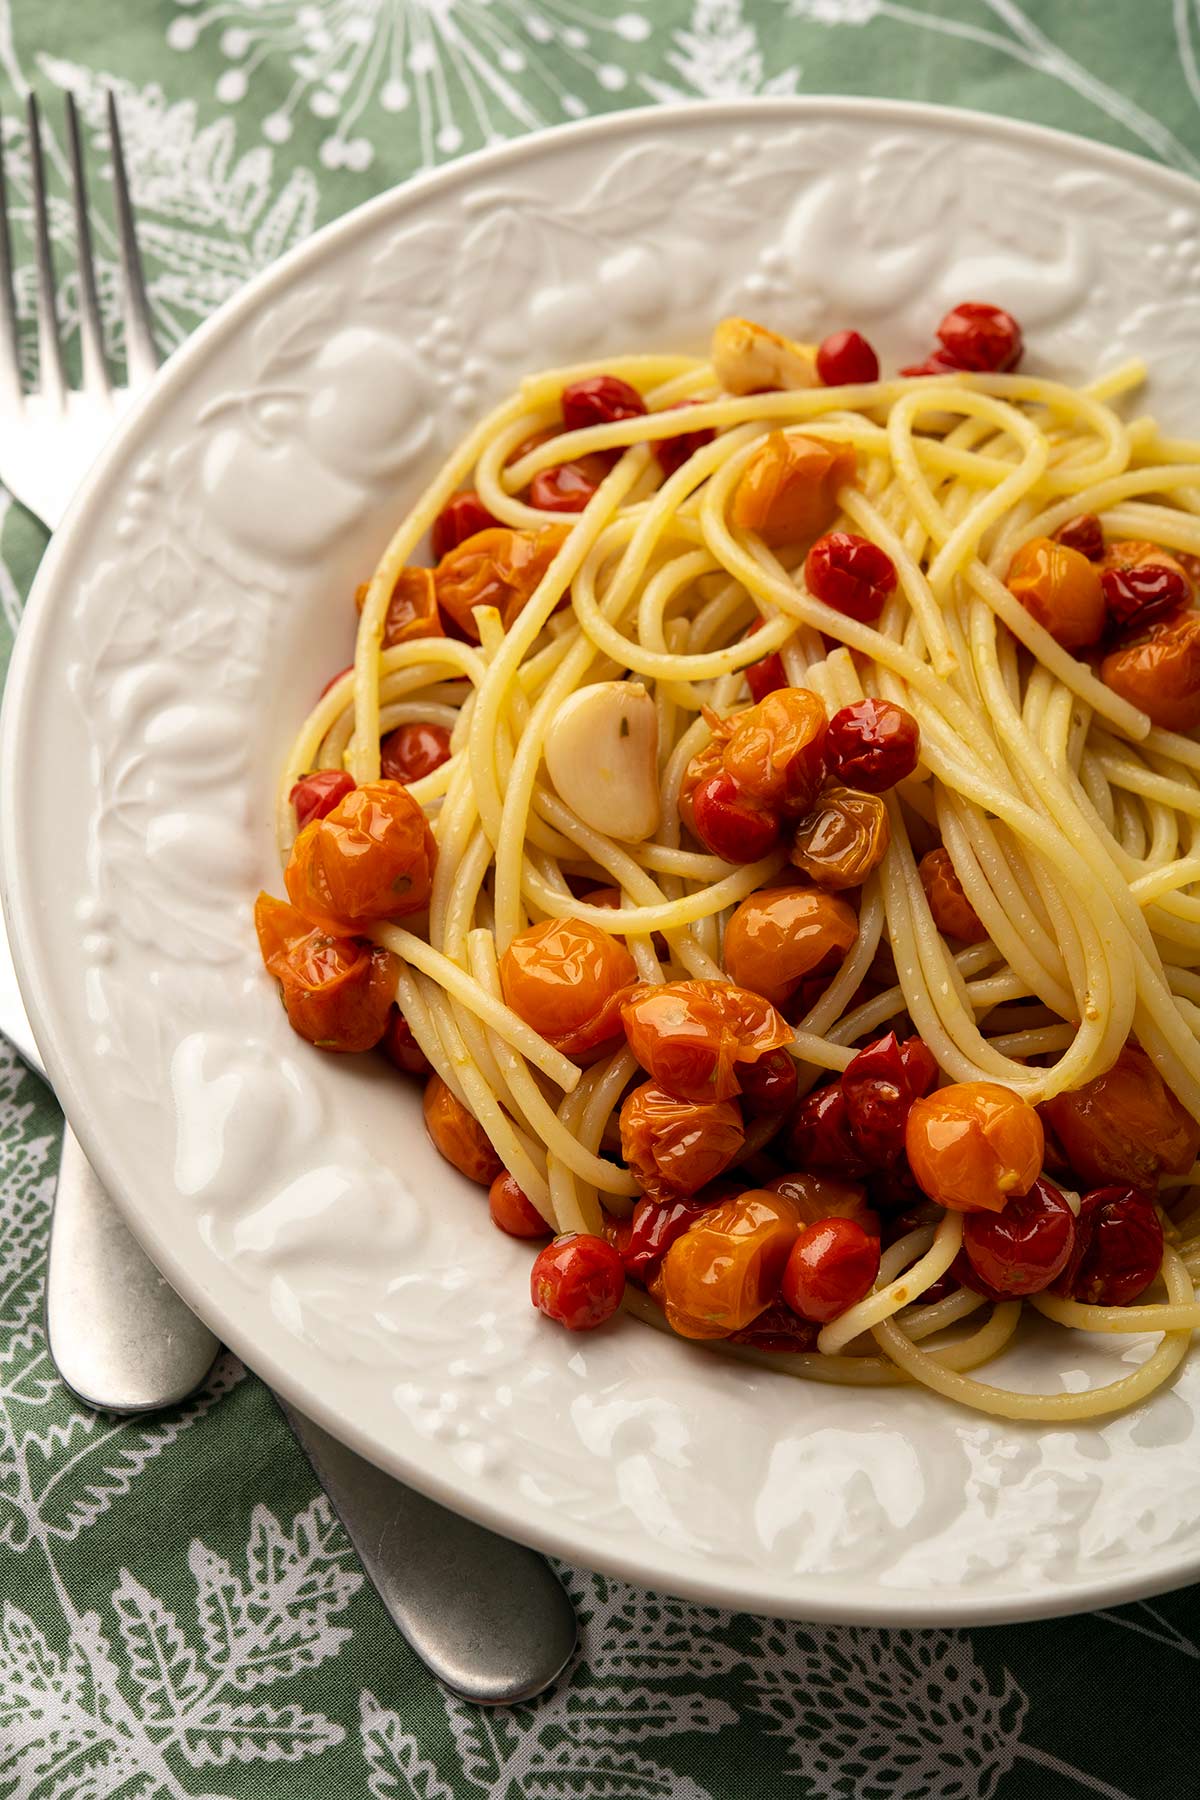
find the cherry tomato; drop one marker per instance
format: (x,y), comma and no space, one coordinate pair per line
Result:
(577,1281)
(462,516)
(938,362)
(371,858)
(819,1135)
(872,745)
(879,1087)
(610,897)
(851,574)
(457,1134)
(1136,597)
(974,1144)
(842,839)
(675,1146)
(766,677)
(1125,555)
(337,991)
(334,679)
(777,1331)
(846,358)
(655,1226)
(317,794)
(788,490)
(1118,1248)
(1083,533)
(673,452)
(695,1037)
(412,610)
(722,1273)
(569,486)
(499,568)
(832,1265)
(1125,1125)
(780,935)
(567,979)
(512,1209)
(731,823)
(768,1085)
(1061,590)
(401,1047)
(977,336)
(817,1197)
(413,750)
(1161,673)
(599,400)
(1024,1248)
(952,912)
(775,751)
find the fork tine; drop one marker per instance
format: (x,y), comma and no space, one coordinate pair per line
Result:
(95,371)
(141,351)
(51,374)
(10,367)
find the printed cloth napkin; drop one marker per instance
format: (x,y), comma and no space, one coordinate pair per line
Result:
(180,1614)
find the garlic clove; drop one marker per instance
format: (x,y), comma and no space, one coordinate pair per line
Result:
(602,756)
(747,356)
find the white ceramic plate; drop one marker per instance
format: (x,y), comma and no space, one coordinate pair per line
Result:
(182,623)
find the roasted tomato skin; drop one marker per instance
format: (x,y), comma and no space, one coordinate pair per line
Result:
(412,608)
(843,838)
(778,936)
(851,574)
(412,751)
(497,567)
(722,1273)
(577,1281)
(1124,1126)
(819,1136)
(694,1037)
(1061,589)
(1160,673)
(815,1197)
(729,822)
(567,979)
(675,1147)
(1023,1249)
(952,912)
(599,400)
(973,1144)
(880,1086)
(789,487)
(769,1085)
(317,794)
(371,858)
(977,335)
(1118,1248)
(872,745)
(775,750)
(457,1134)
(463,515)
(337,991)
(401,1047)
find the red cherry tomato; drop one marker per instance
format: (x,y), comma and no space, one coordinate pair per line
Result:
(819,1136)
(1118,1248)
(317,794)
(334,679)
(401,1047)
(768,1085)
(731,823)
(766,677)
(846,357)
(673,452)
(1125,1125)
(577,1281)
(851,574)
(568,487)
(775,751)
(832,1265)
(936,363)
(1083,533)
(462,516)
(1024,1248)
(513,1211)
(371,858)
(696,1038)
(567,979)
(337,991)
(879,1087)
(599,400)
(413,750)
(457,1134)
(676,1147)
(872,745)
(1136,597)
(981,337)
(654,1227)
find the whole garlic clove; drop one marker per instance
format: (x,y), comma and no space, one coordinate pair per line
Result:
(602,755)
(747,357)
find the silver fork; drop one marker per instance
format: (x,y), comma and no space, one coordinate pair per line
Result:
(486,1615)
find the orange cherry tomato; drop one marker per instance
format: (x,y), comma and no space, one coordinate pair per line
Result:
(973,1144)
(499,568)
(1060,588)
(788,489)
(675,1146)
(1124,1126)
(512,1209)
(776,749)
(692,1035)
(371,858)
(337,991)
(779,936)
(817,1197)
(952,912)
(457,1134)
(1160,673)
(412,610)
(722,1273)
(567,979)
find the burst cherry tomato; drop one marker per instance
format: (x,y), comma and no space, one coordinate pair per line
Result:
(1161,673)
(731,823)
(851,574)
(412,610)
(977,336)
(766,676)
(413,750)
(654,1227)
(788,489)
(337,991)
(567,979)
(842,839)
(674,1147)
(832,1265)
(973,1144)
(371,858)
(569,486)
(779,936)
(499,568)
(872,745)
(722,1273)
(819,1136)
(401,1047)
(1061,590)
(938,362)
(317,794)
(846,358)
(817,1197)
(1024,1248)
(599,400)
(462,516)
(673,452)
(1136,597)
(775,751)
(1118,1249)
(768,1085)
(457,1134)
(695,1037)
(577,1281)
(1125,1125)
(1083,533)
(512,1209)
(879,1087)
(952,912)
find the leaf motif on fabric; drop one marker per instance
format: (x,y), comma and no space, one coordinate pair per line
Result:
(161,1661)
(398,1770)
(256,1732)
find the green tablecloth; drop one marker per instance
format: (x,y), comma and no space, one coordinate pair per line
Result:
(179,1614)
